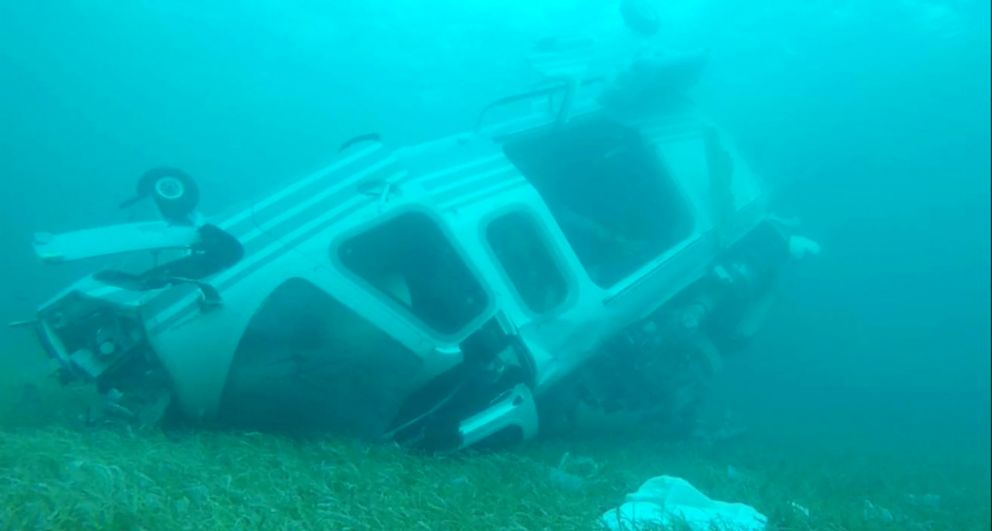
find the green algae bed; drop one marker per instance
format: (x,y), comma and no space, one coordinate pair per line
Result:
(57,478)
(56,474)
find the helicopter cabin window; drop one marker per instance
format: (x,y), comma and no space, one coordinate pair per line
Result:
(410,261)
(527,261)
(609,192)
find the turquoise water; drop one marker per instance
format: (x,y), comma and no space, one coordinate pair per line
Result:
(870,119)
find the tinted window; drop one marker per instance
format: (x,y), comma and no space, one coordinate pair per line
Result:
(609,193)
(524,256)
(409,260)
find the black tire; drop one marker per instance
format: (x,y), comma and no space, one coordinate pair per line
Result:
(175,193)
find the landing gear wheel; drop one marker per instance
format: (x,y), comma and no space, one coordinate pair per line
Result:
(175,193)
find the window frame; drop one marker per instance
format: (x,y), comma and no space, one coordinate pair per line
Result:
(681,195)
(401,310)
(548,239)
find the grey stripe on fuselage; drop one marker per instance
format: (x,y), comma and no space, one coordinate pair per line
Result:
(283,214)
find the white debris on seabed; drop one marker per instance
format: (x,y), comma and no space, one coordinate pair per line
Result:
(565,480)
(877,513)
(578,465)
(800,509)
(666,501)
(573,472)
